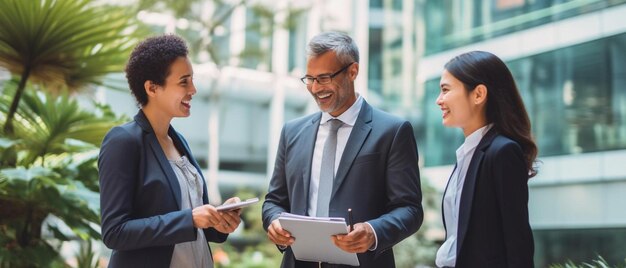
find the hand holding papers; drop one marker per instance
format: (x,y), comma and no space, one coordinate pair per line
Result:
(313,238)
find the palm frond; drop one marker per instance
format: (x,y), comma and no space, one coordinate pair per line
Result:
(64,42)
(50,125)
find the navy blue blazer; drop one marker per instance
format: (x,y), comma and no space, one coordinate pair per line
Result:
(494,229)
(377,177)
(140,197)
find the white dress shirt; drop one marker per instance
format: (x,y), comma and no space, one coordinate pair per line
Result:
(348,118)
(446,255)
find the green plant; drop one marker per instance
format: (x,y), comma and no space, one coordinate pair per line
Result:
(598,263)
(48,158)
(51,172)
(61,43)
(85,257)
(419,248)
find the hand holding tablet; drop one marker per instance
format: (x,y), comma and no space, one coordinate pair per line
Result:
(233,206)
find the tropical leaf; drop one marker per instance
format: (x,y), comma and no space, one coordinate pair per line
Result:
(8,154)
(49,125)
(40,254)
(46,191)
(56,145)
(86,257)
(6,143)
(3,184)
(48,157)
(64,43)
(26,174)
(58,234)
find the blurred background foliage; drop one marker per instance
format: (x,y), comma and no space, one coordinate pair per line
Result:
(206,31)
(48,143)
(600,262)
(49,176)
(420,248)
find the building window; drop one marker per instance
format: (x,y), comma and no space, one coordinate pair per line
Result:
(579,245)
(574,97)
(454,23)
(297,43)
(258,38)
(437,143)
(375,70)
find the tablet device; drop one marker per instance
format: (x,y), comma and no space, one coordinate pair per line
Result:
(232,206)
(313,242)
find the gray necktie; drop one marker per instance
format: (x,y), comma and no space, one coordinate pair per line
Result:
(327,172)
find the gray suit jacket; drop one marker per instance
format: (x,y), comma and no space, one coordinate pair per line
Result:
(377,177)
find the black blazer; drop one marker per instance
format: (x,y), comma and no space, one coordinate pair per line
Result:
(377,177)
(140,197)
(494,230)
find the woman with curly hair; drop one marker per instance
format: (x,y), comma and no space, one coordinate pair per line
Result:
(154,203)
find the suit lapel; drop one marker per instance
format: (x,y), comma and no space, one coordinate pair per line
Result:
(467,195)
(308,135)
(181,144)
(141,119)
(360,131)
(443,216)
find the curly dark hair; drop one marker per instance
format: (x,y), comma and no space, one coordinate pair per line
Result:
(150,61)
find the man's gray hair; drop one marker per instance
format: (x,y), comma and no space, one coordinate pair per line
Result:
(344,47)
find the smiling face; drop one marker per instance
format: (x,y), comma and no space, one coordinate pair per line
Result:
(338,95)
(173,99)
(459,107)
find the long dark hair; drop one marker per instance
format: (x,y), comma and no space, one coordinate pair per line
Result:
(505,108)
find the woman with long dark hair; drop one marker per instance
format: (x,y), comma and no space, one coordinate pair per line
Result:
(485,205)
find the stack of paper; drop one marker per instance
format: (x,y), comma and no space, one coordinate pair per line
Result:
(313,238)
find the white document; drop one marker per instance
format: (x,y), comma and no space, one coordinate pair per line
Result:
(313,238)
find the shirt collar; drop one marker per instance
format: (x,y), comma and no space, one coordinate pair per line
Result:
(472,140)
(349,116)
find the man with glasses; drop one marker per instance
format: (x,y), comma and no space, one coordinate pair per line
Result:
(349,155)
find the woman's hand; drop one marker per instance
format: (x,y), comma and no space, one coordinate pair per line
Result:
(230,219)
(206,216)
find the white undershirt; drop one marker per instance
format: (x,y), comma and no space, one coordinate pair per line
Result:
(192,254)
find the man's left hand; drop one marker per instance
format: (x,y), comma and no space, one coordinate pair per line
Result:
(359,240)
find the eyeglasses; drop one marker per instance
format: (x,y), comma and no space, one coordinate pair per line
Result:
(323,79)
